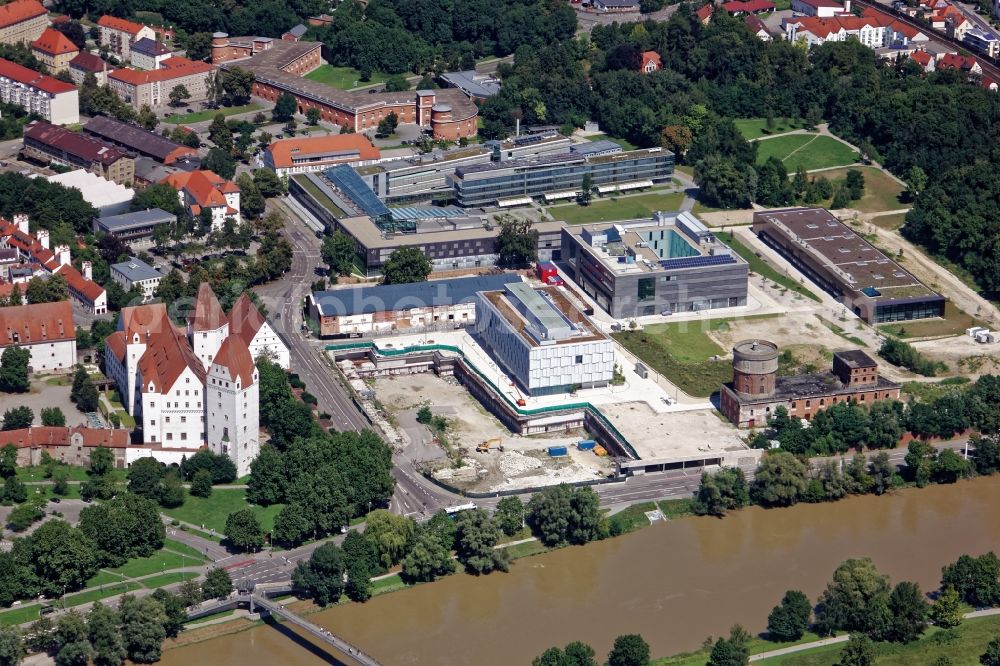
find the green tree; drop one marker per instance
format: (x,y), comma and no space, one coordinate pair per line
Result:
(339,252)
(881,471)
(60,484)
(267,476)
(475,539)
(720,492)
(854,182)
(586,190)
(251,201)
(243,531)
(427,559)
(789,620)
(105,636)
(629,650)
(147,118)
(992,655)
(221,162)
(53,417)
(517,243)
(946,612)
(217,584)
(8,461)
(14,369)
(237,85)
(62,557)
(312,116)
(731,651)
(142,622)
(859,651)
(171,491)
(24,516)
(406,265)
(442,527)
(509,515)
(124,528)
(854,599)
(174,609)
(201,485)
(14,490)
(219,133)
(322,577)
(780,479)
(920,458)
(178,95)
(11,646)
(102,461)
(284,107)
(949,467)
(916,181)
(158,195)
(424,415)
(190,592)
(268,183)
(389,534)
(976,579)
(909,613)
(985,454)
(71,636)
(144,477)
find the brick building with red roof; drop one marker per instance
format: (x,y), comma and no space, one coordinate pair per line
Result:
(69,445)
(301,155)
(48,143)
(118,35)
(54,50)
(206,190)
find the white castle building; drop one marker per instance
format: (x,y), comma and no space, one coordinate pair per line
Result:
(196,386)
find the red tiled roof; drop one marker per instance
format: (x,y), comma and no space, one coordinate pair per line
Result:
(87,289)
(115,23)
(235,357)
(54,43)
(955,61)
(704,12)
(821,27)
(205,187)
(647,57)
(922,58)
(27,244)
(245,319)
(144,321)
(115,344)
(822,3)
(61,436)
(7,288)
(88,62)
(166,357)
(74,143)
(756,24)
(207,315)
(171,68)
(36,323)
(749,6)
(20,10)
(30,77)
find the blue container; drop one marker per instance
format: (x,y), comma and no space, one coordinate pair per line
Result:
(586,444)
(556,451)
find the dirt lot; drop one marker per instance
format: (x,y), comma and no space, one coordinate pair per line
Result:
(524,462)
(44,395)
(672,434)
(787,332)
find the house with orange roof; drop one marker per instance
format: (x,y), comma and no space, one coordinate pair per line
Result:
(704,13)
(118,35)
(924,59)
(205,190)
(874,29)
(650,62)
(22,21)
(301,155)
(188,388)
(44,329)
(71,445)
(54,50)
(153,87)
(966,64)
(246,321)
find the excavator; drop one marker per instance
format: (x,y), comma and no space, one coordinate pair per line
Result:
(494,443)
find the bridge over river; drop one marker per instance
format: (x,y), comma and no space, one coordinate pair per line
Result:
(258,600)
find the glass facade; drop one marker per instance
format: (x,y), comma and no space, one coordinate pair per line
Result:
(905,311)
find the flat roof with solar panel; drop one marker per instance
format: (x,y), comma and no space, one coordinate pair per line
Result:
(542,316)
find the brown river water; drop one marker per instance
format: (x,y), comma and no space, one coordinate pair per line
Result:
(675,583)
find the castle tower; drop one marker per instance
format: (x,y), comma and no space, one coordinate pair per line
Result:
(231,404)
(755,367)
(207,325)
(220,42)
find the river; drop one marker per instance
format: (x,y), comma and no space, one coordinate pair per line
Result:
(675,583)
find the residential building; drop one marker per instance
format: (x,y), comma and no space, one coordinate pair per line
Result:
(982,41)
(758,28)
(138,140)
(109,198)
(232,407)
(71,445)
(136,228)
(477,86)
(205,190)
(301,155)
(153,88)
(542,341)
(748,7)
(83,289)
(821,8)
(851,269)
(118,35)
(260,338)
(704,13)
(56,101)
(54,50)
(190,388)
(22,21)
(88,63)
(874,29)
(279,67)
(924,59)
(44,329)
(966,64)
(757,390)
(374,310)
(518,181)
(295,34)
(148,53)
(616,6)
(149,172)
(669,264)
(650,62)
(136,273)
(49,143)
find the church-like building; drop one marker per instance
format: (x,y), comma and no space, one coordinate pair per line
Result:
(193,386)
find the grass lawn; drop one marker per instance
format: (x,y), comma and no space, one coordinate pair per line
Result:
(37,473)
(20,615)
(682,353)
(633,517)
(806,150)
(318,194)
(881,192)
(954,323)
(386,585)
(213,511)
(755,128)
(162,560)
(617,208)
(764,269)
(182,548)
(344,78)
(94,595)
(890,222)
(526,549)
(757,645)
(208,114)
(168,579)
(929,391)
(672,509)
(213,616)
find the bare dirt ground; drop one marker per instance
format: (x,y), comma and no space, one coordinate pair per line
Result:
(523,463)
(44,395)
(672,434)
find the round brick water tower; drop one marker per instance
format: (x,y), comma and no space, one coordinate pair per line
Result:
(755,366)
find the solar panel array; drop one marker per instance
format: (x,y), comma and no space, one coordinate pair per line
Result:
(347,181)
(698,262)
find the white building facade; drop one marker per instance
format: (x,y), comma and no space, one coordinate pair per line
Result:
(232,412)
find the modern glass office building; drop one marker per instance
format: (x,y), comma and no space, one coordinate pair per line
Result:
(497,182)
